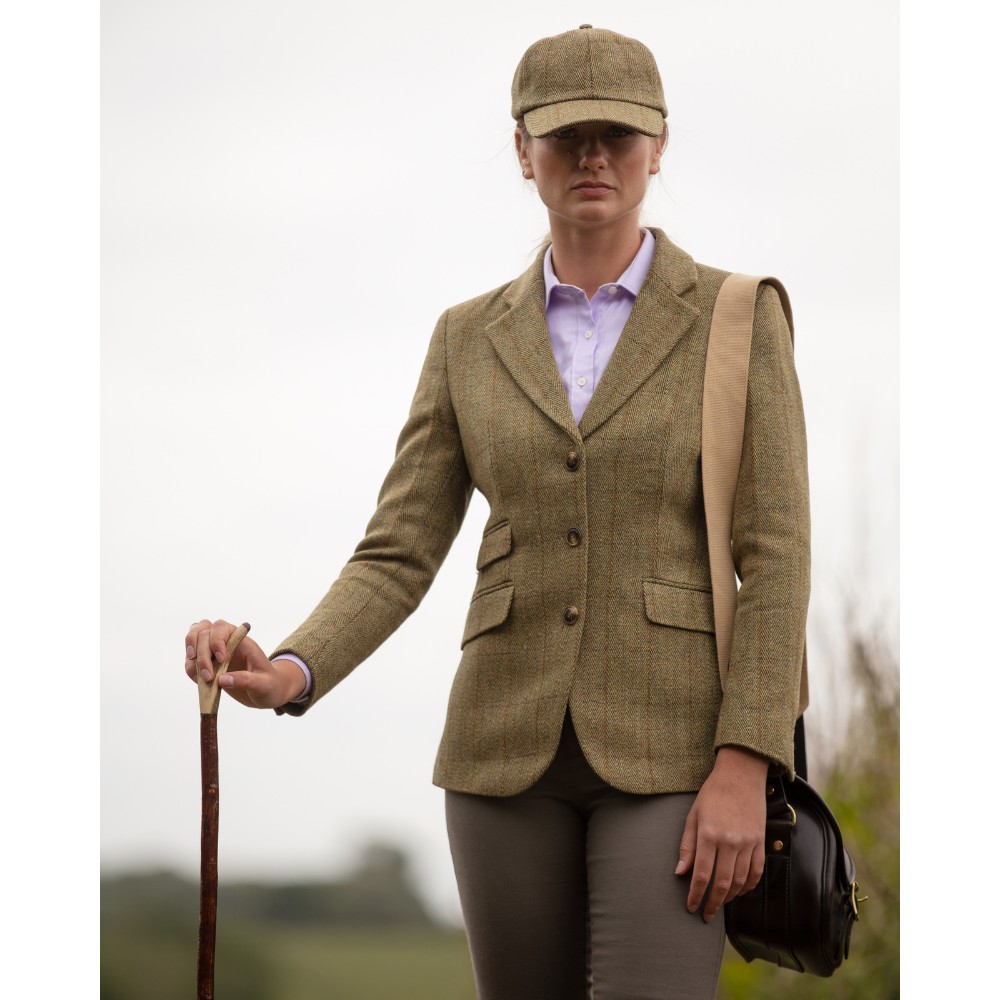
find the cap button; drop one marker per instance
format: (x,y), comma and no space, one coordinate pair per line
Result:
(586,25)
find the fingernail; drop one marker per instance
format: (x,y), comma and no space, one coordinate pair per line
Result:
(206,675)
(190,652)
(226,681)
(680,865)
(219,656)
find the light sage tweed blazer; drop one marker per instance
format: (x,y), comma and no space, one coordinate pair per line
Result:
(594,587)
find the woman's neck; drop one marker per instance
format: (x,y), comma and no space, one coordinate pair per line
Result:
(591,257)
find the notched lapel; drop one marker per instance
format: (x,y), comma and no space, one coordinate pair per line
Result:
(521,339)
(659,319)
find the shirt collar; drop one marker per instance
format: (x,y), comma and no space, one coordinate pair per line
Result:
(631,279)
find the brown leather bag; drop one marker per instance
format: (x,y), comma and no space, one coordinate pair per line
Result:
(801,913)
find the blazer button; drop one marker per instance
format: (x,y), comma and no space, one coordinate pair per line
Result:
(573,536)
(570,615)
(572,461)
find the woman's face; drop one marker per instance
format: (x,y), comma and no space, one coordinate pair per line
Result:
(592,174)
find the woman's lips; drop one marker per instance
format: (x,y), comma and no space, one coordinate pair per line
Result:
(594,190)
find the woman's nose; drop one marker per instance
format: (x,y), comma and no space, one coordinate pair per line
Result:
(593,153)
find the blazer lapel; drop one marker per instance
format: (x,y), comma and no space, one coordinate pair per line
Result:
(659,318)
(521,339)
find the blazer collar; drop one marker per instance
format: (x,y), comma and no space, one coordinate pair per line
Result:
(659,318)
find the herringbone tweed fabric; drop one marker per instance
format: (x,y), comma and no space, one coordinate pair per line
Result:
(614,620)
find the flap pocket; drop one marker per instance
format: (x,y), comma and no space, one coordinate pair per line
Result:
(496,543)
(487,610)
(678,605)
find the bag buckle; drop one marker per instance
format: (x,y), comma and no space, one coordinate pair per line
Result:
(855,898)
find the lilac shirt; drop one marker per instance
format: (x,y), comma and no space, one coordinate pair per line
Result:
(583,334)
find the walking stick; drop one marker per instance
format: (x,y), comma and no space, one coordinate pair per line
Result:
(208,697)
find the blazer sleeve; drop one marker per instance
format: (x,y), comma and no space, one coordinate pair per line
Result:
(770,549)
(420,510)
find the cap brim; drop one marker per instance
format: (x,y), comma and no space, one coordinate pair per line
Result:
(553,117)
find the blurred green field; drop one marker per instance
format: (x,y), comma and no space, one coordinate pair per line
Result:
(145,963)
(392,963)
(366,935)
(141,963)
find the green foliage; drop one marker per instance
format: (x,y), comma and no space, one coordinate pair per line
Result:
(861,786)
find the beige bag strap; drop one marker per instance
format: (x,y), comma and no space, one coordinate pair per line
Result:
(722,423)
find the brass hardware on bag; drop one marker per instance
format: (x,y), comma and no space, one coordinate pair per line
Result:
(778,845)
(795,818)
(855,899)
(770,789)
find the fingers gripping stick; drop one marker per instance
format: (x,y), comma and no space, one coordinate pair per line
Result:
(209,691)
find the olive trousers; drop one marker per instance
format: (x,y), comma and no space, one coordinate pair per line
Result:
(569,893)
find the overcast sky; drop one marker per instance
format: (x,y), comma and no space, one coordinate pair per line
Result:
(292,194)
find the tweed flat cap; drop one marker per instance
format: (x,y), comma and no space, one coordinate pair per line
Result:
(586,75)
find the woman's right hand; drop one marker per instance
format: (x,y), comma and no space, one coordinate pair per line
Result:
(252,679)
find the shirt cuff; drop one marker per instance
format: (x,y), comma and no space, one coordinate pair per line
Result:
(308,673)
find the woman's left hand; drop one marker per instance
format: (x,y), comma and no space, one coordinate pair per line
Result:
(724,831)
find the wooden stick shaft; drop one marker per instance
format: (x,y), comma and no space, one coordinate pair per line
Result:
(209,856)
(208,696)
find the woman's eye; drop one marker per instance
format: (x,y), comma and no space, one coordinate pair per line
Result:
(566,133)
(619,131)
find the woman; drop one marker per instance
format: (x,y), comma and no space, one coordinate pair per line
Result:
(604,799)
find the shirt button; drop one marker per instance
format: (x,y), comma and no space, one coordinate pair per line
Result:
(573,536)
(613,290)
(570,615)
(582,380)
(572,461)
(589,334)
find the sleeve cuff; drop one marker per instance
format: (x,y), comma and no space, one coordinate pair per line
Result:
(304,697)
